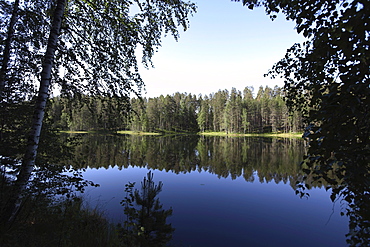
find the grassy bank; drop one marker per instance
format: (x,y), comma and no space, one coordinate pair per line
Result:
(130,132)
(74,132)
(160,132)
(127,132)
(282,135)
(86,131)
(141,133)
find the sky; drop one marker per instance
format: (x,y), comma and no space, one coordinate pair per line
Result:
(226,46)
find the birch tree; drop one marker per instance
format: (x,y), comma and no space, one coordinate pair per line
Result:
(6,51)
(34,137)
(91,49)
(24,39)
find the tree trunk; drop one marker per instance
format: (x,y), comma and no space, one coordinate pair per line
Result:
(34,137)
(6,52)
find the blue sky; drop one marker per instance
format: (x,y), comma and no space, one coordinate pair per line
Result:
(227,45)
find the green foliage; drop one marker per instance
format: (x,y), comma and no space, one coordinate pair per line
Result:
(47,177)
(66,222)
(328,77)
(87,113)
(52,177)
(26,45)
(145,224)
(96,49)
(181,112)
(105,34)
(80,47)
(95,54)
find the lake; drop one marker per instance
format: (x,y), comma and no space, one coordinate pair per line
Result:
(222,191)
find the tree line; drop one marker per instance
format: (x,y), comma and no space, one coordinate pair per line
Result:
(79,47)
(46,41)
(223,111)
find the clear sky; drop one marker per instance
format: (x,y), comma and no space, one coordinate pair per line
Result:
(227,45)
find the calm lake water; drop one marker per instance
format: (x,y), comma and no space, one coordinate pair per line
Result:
(223,191)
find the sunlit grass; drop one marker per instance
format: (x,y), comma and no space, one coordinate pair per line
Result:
(74,131)
(130,132)
(141,133)
(284,135)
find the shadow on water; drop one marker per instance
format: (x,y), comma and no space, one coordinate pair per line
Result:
(349,182)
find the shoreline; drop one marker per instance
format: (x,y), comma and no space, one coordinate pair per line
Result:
(141,133)
(281,135)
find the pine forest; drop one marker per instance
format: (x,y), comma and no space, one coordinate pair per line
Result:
(223,111)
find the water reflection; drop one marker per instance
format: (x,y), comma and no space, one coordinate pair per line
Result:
(274,160)
(261,160)
(145,223)
(350,184)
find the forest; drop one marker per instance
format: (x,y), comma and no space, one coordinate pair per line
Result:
(88,50)
(223,111)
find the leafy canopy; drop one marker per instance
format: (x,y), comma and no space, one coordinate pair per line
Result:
(328,77)
(98,44)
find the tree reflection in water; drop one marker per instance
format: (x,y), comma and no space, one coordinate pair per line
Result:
(145,223)
(349,183)
(268,160)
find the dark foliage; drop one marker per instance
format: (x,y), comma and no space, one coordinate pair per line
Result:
(328,77)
